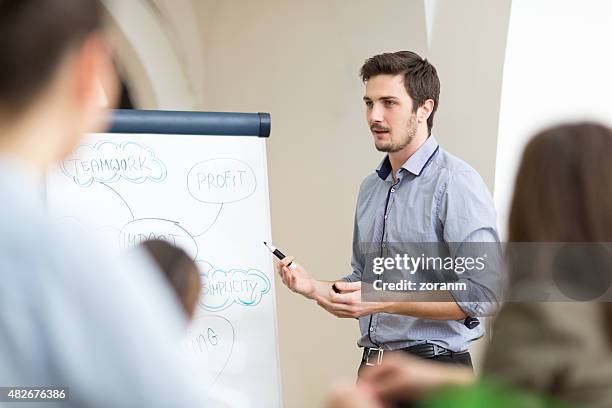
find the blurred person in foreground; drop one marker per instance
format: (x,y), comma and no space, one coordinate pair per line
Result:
(70,318)
(182,275)
(561,351)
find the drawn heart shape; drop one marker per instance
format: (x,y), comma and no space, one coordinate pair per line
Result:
(209,343)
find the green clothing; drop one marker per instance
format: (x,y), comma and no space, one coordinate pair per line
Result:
(487,396)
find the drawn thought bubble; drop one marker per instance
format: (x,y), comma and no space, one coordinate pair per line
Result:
(219,181)
(137,231)
(108,162)
(221,289)
(208,343)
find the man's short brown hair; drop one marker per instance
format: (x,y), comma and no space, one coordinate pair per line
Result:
(420,77)
(34,36)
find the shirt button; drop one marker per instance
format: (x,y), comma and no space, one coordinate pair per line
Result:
(393,190)
(371,329)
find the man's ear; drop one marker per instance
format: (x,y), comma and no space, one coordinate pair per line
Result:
(96,82)
(425,110)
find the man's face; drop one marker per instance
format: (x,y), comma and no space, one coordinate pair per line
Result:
(389,113)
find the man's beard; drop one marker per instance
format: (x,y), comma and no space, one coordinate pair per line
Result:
(408,137)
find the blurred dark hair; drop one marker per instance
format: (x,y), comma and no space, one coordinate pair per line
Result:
(563,191)
(34,36)
(180,271)
(420,76)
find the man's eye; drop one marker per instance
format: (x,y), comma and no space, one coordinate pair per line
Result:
(389,103)
(369,104)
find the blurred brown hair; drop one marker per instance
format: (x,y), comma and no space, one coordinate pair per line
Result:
(180,271)
(34,36)
(563,190)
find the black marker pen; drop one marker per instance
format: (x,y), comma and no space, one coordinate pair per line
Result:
(279,255)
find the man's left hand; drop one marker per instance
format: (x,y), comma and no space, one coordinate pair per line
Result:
(348,303)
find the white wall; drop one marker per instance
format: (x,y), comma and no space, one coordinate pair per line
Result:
(148,57)
(467,46)
(556,69)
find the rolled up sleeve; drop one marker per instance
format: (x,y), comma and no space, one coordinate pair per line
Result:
(468,215)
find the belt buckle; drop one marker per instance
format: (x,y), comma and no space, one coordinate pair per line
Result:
(379,355)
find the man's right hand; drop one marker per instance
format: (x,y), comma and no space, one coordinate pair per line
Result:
(296,279)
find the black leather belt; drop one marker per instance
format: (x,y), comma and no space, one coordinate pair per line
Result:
(374,356)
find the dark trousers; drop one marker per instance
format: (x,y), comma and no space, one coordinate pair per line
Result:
(462,359)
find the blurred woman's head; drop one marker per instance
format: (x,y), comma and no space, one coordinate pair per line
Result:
(180,271)
(54,64)
(563,190)
(563,200)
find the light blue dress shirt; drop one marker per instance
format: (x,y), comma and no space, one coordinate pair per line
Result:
(71,316)
(437,198)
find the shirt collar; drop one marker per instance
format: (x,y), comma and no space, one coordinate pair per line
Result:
(415,163)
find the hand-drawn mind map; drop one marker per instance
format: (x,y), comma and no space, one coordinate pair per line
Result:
(213,182)
(209,341)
